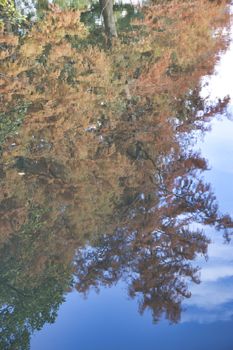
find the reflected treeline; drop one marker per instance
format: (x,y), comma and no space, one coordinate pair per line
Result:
(98,178)
(154,249)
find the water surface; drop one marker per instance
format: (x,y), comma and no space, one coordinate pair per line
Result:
(116,176)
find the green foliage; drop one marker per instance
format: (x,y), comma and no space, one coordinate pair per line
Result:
(29,301)
(11,121)
(73,4)
(9,16)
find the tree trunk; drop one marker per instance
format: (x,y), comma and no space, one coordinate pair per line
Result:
(109,21)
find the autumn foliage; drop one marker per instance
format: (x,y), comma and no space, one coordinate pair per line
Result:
(95,155)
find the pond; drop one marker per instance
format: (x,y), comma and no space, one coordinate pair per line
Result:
(116,180)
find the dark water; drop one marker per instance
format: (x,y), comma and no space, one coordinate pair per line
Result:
(116,197)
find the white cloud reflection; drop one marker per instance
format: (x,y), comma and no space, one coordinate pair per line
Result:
(212,300)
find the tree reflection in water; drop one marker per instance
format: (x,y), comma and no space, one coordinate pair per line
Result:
(101,183)
(156,245)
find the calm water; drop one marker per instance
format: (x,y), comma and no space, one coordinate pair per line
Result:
(109,320)
(116,197)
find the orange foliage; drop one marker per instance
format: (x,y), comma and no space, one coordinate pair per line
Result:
(101,149)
